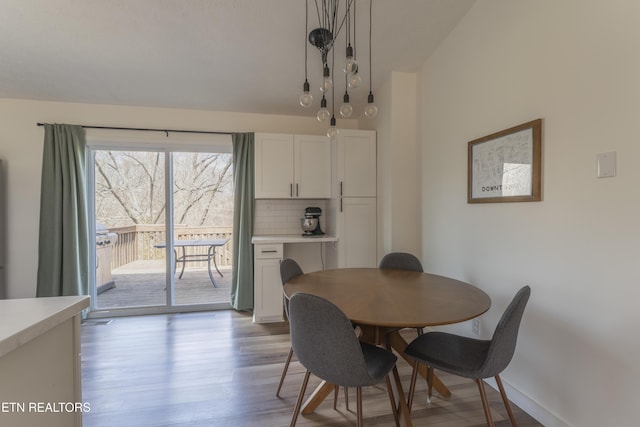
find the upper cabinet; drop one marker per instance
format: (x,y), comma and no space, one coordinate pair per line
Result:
(274,166)
(292,166)
(356,163)
(312,166)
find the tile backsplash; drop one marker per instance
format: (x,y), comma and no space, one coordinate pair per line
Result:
(283,216)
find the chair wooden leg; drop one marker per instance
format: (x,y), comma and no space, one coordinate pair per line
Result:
(346,397)
(394,408)
(359,405)
(335,397)
(296,410)
(412,385)
(506,401)
(485,402)
(284,371)
(429,383)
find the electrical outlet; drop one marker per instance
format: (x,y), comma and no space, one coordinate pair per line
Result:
(475,327)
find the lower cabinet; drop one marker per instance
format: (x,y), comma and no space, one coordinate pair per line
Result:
(268,302)
(356,228)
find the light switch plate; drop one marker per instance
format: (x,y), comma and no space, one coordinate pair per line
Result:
(606,163)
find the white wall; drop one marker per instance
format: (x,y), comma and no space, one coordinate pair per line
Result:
(21,149)
(398,164)
(575,64)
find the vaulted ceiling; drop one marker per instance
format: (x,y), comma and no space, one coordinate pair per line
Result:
(225,55)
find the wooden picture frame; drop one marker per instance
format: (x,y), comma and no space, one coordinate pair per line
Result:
(506,166)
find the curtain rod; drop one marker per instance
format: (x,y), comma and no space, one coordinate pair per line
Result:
(166,131)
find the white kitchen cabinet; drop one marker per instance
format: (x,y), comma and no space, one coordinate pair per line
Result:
(357,228)
(267,290)
(352,214)
(356,163)
(312,166)
(273,166)
(292,166)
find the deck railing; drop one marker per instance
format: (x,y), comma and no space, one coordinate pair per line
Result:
(137,242)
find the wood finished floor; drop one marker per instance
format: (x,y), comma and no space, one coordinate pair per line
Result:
(219,369)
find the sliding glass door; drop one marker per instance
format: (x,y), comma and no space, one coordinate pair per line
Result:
(163,229)
(203,220)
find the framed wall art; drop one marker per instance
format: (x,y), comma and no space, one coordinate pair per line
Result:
(506,166)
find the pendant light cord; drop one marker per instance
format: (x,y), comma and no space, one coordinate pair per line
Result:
(333,86)
(306,33)
(354,31)
(370,61)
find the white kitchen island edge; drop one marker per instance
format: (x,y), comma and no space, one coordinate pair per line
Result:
(40,362)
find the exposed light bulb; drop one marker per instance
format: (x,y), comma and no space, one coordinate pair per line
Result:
(346,110)
(332,131)
(350,65)
(354,80)
(370,110)
(327,83)
(324,114)
(306,99)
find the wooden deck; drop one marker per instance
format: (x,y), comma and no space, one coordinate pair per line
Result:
(142,284)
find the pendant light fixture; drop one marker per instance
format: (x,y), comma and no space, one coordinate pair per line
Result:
(332,16)
(306,99)
(350,67)
(370,110)
(323,114)
(333,131)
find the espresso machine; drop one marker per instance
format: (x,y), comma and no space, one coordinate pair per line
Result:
(311,222)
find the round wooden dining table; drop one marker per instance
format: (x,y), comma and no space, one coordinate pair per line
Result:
(383,301)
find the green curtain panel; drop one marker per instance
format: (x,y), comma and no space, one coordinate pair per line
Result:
(244,191)
(63,253)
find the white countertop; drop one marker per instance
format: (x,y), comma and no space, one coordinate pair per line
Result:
(22,320)
(291,238)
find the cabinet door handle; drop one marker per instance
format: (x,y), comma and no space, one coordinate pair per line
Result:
(340,188)
(297,192)
(269,252)
(291,190)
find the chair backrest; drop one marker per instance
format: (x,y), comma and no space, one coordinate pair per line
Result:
(400,261)
(288,270)
(324,341)
(505,336)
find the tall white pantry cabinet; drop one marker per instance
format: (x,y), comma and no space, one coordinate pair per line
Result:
(352,210)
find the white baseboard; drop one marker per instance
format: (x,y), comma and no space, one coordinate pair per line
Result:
(530,406)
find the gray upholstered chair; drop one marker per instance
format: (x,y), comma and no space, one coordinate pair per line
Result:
(288,270)
(400,261)
(326,345)
(469,357)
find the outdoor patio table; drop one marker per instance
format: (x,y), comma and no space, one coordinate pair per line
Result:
(210,244)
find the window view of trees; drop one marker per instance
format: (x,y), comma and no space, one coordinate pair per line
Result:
(130,202)
(130,188)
